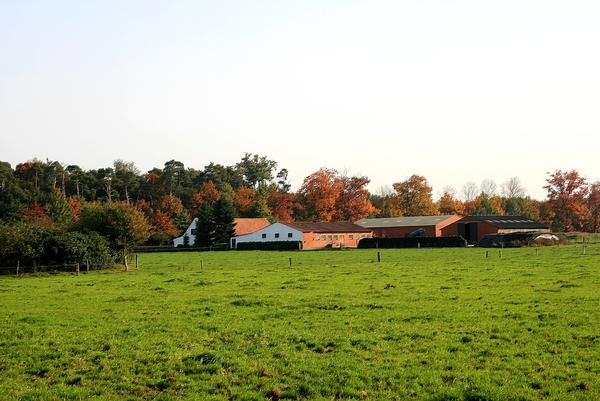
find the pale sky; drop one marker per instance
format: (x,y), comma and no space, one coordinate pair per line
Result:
(455,91)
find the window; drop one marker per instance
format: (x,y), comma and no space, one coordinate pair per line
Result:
(290,235)
(368,235)
(264,235)
(323,237)
(317,237)
(194,231)
(329,237)
(350,236)
(335,237)
(276,235)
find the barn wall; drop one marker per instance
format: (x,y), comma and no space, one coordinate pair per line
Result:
(335,240)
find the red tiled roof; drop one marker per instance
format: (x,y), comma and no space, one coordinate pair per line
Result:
(328,227)
(245,226)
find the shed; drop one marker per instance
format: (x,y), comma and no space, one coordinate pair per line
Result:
(472,228)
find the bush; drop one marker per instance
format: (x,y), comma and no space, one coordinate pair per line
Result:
(33,245)
(405,242)
(269,246)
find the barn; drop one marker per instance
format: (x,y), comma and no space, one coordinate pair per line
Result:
(472,228)
(390,227)
(313,235)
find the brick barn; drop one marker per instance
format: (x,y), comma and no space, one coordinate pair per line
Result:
(393,227)
(312,235)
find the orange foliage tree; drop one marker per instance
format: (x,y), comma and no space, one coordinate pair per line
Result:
(353,201)
(567,193)
(243,200)
(319,193)
(283,205)
(414,197)
(448,204)
(593,205)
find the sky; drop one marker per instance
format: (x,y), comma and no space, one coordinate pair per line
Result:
(455,91)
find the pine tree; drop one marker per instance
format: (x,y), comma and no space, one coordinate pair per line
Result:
(205,226)
(224,220)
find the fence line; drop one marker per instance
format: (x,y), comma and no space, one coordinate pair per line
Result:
(72,267)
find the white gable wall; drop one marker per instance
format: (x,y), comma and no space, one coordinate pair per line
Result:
(274,232)
(179,240)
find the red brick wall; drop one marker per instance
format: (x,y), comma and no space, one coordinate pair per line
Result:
(394,232)
(310,241)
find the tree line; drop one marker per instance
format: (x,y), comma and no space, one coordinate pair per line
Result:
(127,207)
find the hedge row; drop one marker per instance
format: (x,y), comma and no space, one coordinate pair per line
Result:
(269,246)
(418,242)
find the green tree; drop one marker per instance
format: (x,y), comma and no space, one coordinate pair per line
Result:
(122,224)
(205,226)
(256,169)
(224,219)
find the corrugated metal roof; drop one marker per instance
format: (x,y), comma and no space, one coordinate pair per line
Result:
(327,227)
(512,222)
(411,221)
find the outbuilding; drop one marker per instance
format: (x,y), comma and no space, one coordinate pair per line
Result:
(472,228)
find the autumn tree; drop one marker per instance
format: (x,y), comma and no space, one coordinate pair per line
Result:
(283,205)
(353,202)
(414,197)
(449,204)
(163,228)
(567,193)
(386,202)
(243,200)
(122,224)
(319,193)
(593,205)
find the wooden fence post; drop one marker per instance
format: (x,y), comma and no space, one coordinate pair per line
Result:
(378,256)
(290,262)
(77,268)
(137,265)
(87,266)
(18,262)
(201,264)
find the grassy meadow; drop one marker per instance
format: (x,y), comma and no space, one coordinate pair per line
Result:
(422,324)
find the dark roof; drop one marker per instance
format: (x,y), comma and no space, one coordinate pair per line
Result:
(512,222)
(327,227)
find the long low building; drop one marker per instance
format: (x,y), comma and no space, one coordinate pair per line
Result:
(391,227)
(312,235)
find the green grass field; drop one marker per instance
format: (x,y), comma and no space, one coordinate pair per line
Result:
(423,324)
